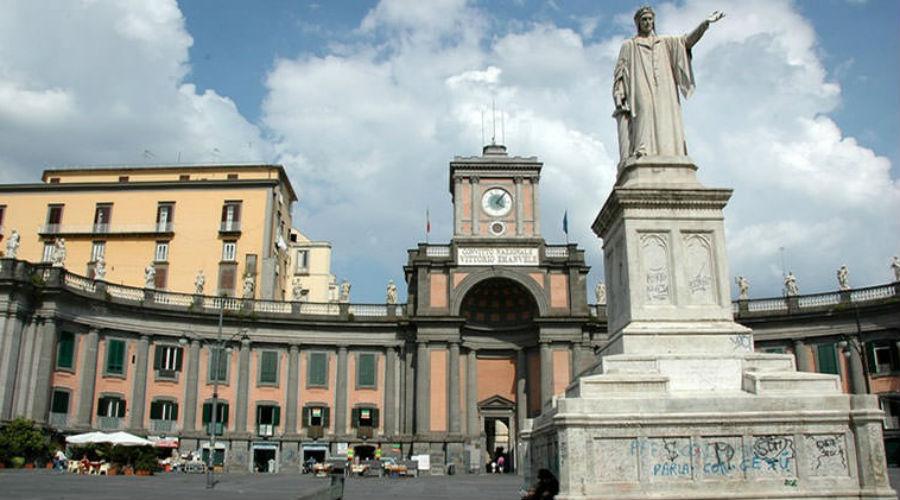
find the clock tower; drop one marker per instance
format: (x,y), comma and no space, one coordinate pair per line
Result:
(495,196)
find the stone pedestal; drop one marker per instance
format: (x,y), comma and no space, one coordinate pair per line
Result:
(680,405)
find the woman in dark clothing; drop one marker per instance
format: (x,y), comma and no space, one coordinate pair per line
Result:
(546,487)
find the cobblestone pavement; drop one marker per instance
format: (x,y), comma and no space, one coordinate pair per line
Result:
(47,485)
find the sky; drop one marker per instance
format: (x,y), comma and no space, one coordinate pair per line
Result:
(797,108)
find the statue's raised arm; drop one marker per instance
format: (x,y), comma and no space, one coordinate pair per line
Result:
(651,75)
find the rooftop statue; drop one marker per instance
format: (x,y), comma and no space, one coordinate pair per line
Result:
(150,276)
(100,269)
(843,277)
(391,295)
(790,285)
(744,287)
(895,266)
(199,282)
(59,253)
(12,245)
(650,73)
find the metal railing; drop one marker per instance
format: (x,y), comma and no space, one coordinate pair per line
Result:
(265,430)
(59,420)
(230,226)
(163,426)
(107,228)
(110,423)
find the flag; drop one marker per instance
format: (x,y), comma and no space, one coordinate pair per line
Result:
(566,222)
(427,221)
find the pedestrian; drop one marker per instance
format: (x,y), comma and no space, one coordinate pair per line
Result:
(501,461)
(547,487)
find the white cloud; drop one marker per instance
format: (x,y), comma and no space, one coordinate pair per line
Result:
(368,133)
(100,82)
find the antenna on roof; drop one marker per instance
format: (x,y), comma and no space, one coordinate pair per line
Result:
(503,127)
(148,154)
(493,123)
(482,128)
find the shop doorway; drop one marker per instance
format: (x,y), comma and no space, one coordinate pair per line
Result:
(364,452)
(265,459)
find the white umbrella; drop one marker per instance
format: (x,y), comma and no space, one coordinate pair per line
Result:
(122,438)
(87,438)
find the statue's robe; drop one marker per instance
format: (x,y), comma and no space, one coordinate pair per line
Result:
(652,72)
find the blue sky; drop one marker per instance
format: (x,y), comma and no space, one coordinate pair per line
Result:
(797,108)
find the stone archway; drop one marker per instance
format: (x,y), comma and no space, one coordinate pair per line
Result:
(536,292)
(498,303)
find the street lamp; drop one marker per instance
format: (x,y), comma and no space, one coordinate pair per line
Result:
(215,361)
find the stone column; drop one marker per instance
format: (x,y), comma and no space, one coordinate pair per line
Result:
(423,402)
(521,393)
(88,378)
(43,378)
(520,207)
(409,390)
(139,384)
(473,183)
(534,206)
(857,373)
(293,390)
(242,392)
(546,373)
(340,393)
(803,357)
(390,391)
(9,362)
(472,427)
(24,376)
(191,381)
(453,388)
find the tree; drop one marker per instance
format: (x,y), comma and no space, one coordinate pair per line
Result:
(21,438)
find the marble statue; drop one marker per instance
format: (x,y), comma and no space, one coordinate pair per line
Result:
(248,286)
(298,292)
(650,73)
(895,265)
(199,282)
(391,297)
(100,269)
(600,293)
(150,277)
(12,245)
(345,292)
(843,277)
(790,285)
(743,287)
(59,253)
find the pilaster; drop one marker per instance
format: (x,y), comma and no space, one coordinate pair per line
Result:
(43,377)
(243,388)
(423,400)
(802,354)
(88,378)
(473,429)
(191,382)
(139,385)
(390,391)
(293,391)
(546,373)
(340,393)
(453,388)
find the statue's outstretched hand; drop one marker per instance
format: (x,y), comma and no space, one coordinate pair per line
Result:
(715,16)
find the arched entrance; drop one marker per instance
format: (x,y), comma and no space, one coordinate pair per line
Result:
(499,326)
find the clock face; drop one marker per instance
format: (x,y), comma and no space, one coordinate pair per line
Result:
(496,202)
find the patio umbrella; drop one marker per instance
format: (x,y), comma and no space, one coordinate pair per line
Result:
(87,438)
(123,438)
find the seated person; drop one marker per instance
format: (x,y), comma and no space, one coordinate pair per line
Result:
(546,487)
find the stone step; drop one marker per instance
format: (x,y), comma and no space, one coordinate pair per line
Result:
(763,362)
(600,386)
(762,383)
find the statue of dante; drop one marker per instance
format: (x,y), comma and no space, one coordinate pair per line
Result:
(650,73)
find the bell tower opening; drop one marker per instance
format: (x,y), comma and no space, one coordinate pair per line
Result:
(498,303)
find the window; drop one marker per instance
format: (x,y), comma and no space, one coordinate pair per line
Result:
(164,410)
(54,180)
(232,177)
(365,370)
(227,278)
(2,214)
(364,417)
(49,248)
(162,251)
(161,278)
(115,357)
(123,178)
(167,360)
(218,366)
(165,216)
(316,416)
(98,249)
(317,369)
(268,416)
(231,216)
(229,251)
(184,177)
(879,357)
(102,215)
(221,417)
(302,262)
(65,351)
(268,367)
(59,403)
(826,359)
(111,406)
(54,218)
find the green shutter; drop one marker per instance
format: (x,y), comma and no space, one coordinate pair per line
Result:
(65,350)
(223,413)
(354,418)
(207,413)
(326,416)
(101,405)
(870,357)
(218,357)
(276,416)
(115,356)
(174,411)
(179,353)
(158,357)
(121,408)
(374,418)
(268,367)
(60,402)
(365,371)
(827,359)
(318,368)
(156,410)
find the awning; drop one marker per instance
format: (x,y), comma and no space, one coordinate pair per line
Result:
(163,442)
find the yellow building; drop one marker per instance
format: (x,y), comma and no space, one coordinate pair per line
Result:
(228,221)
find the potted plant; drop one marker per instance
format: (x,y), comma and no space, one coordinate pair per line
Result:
(22,440)
(146,463)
